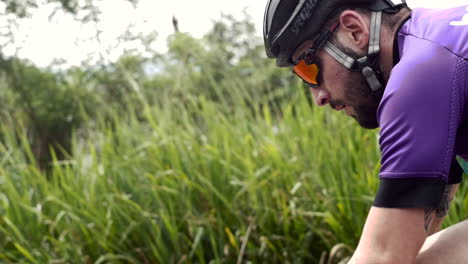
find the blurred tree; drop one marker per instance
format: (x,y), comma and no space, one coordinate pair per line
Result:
(22,8)
(53,103)
(228,66)
(83,11)
(51,108)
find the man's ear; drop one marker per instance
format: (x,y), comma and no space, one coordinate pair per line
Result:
(355,28)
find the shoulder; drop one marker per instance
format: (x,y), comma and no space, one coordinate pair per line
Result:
(422,79)
(416,114)
(447,28)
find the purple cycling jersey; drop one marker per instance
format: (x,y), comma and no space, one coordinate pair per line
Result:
(423,114)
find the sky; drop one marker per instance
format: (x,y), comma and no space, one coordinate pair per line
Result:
(43,40)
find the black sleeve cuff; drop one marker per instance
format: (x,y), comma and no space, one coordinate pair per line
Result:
(456,172)
(409,192)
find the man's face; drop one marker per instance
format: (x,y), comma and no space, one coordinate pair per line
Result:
(343,89)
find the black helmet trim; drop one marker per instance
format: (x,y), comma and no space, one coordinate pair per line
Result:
(301,14)
(297,20)
(267,20)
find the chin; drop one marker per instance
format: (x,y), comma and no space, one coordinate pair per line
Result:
(367,123)
(366,116)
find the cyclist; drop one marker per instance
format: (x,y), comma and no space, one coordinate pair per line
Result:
(405,71)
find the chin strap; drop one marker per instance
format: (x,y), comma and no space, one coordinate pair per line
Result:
(367,64)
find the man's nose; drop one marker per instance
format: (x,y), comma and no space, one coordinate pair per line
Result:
(321,97)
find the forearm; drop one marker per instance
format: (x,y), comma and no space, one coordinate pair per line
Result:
(449,246)
(391,235)
(396,235)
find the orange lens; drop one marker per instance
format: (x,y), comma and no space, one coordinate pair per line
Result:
(308,73)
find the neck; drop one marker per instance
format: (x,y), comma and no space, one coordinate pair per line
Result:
(387,38)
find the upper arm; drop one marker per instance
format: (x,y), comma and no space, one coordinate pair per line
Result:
(419,116)
(391,235)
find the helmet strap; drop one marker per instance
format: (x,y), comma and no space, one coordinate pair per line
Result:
(367,65)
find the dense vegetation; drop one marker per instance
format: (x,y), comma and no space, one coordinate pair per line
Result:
(206,154)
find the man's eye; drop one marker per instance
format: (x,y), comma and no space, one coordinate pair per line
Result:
(309,58)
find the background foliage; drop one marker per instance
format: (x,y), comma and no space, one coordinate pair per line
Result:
(206,154)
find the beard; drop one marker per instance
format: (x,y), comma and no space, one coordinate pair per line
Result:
(359,95)
(361,98)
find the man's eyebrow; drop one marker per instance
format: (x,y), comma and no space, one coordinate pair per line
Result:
(309,40)
(302,48)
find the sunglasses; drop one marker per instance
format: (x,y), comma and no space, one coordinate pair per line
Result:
(307,66)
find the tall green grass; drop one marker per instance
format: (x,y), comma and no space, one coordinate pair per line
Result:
(209,162)
(191,184)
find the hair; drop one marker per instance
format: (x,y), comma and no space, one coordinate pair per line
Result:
(390,20)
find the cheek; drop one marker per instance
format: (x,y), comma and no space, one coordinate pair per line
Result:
(334,75)
(336,82)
